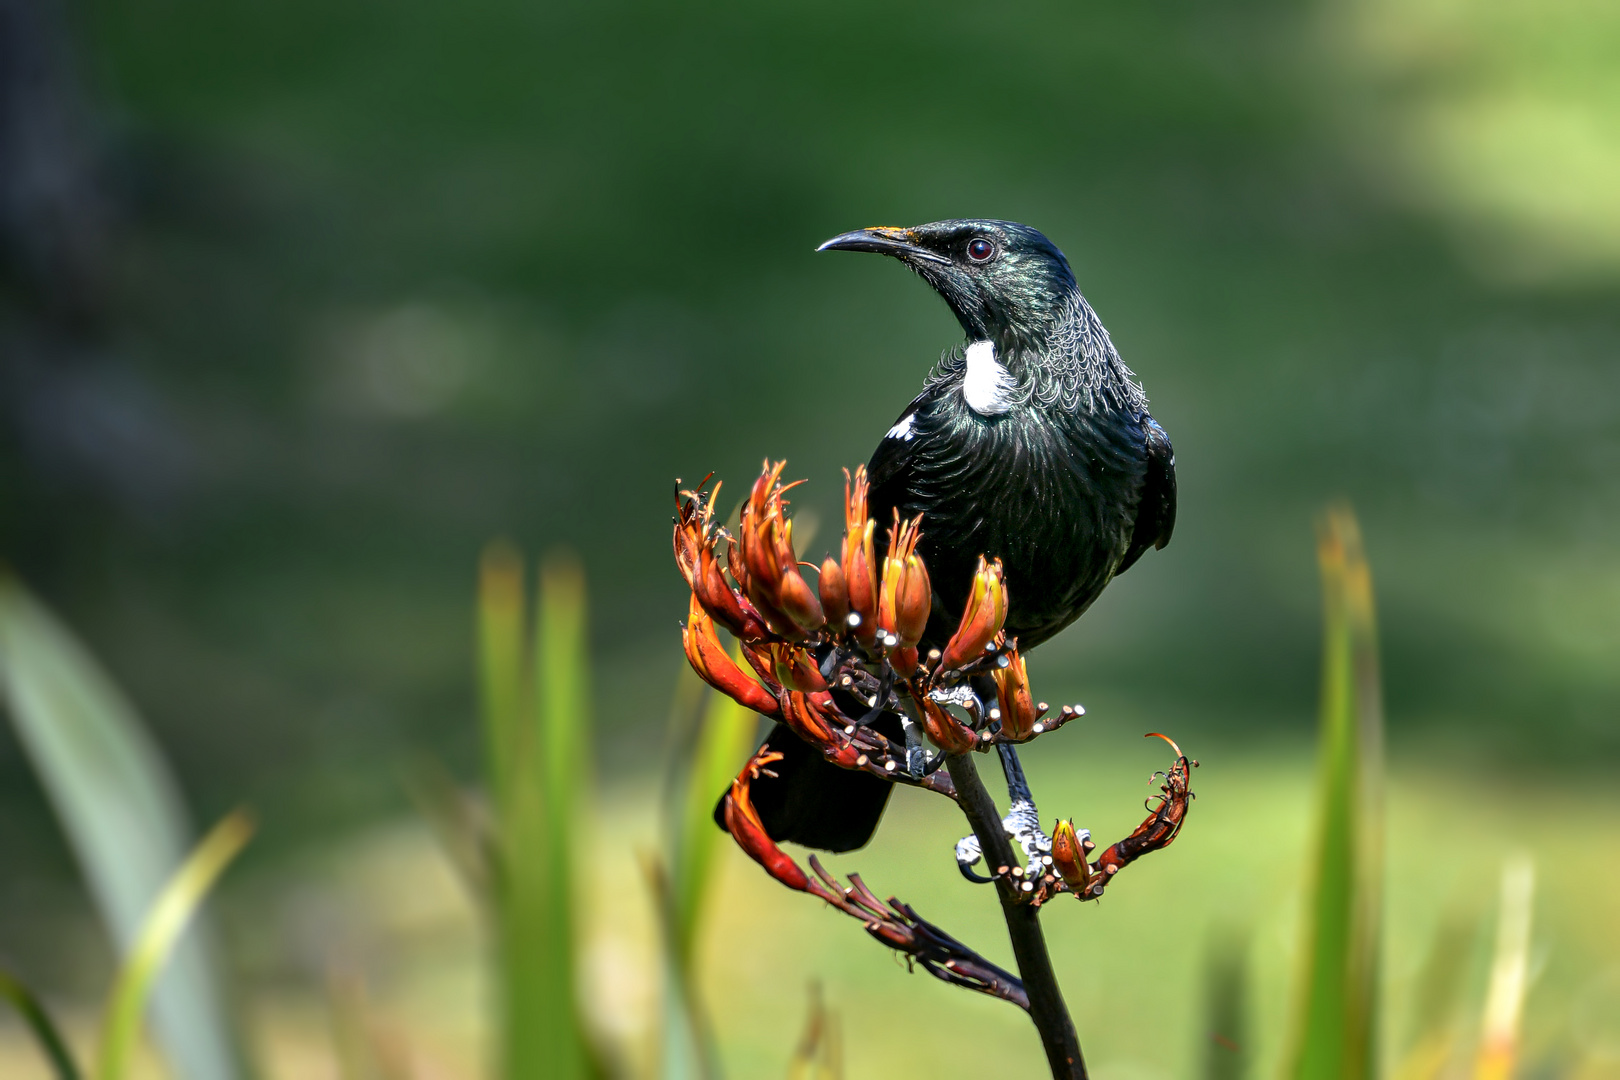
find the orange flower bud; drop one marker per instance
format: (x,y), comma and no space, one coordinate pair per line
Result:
(834,592)
(712,663)
(773,582)
(944,730)
(1018,713)
(795,667)
(695,538)
(1069,858)
(860,576)
(903,603)
(745,826)
(860,563)
(808,719)
(795,597)
(982,618)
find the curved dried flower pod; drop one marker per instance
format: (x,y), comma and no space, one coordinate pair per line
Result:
(905,597)
(1163,823)
(860,562)
(1069,858)
(982,617)
(944,730)
(716,667)
(1018,713)
(834,592)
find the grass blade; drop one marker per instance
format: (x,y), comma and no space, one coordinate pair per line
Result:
(159,935)
(119,807)
(50,1040)
(503,661)
(1335,1024)
(1436,1003)
(723,743)
(542,750)
(1504,1001)
(684,1050)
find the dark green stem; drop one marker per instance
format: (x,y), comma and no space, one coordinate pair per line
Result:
(1046,1006)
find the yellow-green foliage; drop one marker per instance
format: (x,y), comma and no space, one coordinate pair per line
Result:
(536,718)
(1336,1005)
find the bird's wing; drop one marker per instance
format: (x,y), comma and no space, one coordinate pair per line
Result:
(895,452)
(1156,509)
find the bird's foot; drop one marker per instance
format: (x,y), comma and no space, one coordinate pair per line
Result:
(960,695)
(1023,826)
(1034,882)
(968,855)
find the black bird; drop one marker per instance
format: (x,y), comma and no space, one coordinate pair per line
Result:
(1030,442)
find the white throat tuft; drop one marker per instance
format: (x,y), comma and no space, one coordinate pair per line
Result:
(986,386)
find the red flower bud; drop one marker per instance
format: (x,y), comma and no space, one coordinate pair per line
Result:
(944,730)
(1018,713)
(834,592)
(795,597)
(795,667)
(806,715)
(745,826)
(1069,858)
(710,660)
(981,621)
(903,603)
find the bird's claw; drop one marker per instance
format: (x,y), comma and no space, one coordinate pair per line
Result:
(968,855)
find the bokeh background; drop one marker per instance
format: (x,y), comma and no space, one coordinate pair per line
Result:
(305,302)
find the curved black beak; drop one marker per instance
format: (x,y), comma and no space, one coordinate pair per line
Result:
(883,241)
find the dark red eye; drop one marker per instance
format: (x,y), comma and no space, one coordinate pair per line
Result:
(980,250)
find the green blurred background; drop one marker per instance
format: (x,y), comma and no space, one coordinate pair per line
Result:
(306,301)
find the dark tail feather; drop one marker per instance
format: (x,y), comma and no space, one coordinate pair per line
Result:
(813,802)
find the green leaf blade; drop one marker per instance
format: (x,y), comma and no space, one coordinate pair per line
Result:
(121,811)
(545,752)
(161,931)
(39,1022)
(726,735)
(1335,1033)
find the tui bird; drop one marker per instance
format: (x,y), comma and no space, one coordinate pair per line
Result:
(1031,442)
